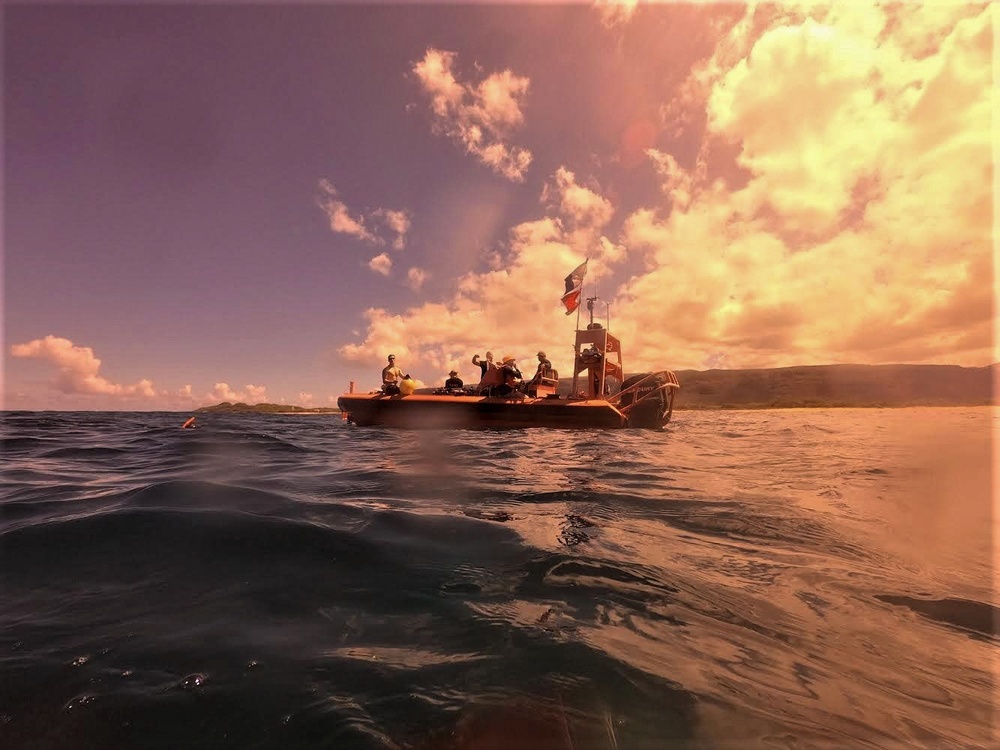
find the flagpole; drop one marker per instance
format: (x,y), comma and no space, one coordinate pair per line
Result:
(576,344)
(582,296)
(578,306)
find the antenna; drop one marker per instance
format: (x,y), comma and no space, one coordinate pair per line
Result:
(590,309)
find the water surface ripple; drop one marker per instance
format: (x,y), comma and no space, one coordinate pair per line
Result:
(757,579)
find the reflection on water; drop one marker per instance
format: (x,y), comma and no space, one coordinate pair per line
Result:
(806,578)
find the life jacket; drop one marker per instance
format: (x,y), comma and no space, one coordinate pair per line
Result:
(492,378)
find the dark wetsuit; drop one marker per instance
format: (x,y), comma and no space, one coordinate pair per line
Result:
(544,368)
(507,387)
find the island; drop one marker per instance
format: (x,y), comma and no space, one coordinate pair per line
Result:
(240,408)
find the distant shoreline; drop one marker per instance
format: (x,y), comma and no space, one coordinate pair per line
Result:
(227,407)
(838,386)
(805,387)
(678,407)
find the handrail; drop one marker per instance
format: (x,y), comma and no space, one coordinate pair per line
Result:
(668,375)
(626,409)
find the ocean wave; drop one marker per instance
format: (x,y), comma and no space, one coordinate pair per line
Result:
(752,579)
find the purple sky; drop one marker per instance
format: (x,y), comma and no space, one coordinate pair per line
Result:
(164,206)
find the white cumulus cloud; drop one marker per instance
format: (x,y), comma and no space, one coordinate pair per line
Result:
(513,308)
(856,223)
(415,278)
(78,370)
(341,220)
(480,116)
(78,382)
(381,264)
(837,208)
(251,394)
(615,12)
(397,222)
(363,225)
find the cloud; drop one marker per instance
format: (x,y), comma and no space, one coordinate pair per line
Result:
(578,205)
(513,307)
(397,222)
(358,225)
(78,370)
(675,182)
(478,116)
(838,208)
(340,217)
(381,264)
(615,12)
(807,161)
(251,394)
(582,214)
(80,385)
(734,29)
(856,224)
(415,278)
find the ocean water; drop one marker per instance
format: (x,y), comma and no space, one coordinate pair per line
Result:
(745,579)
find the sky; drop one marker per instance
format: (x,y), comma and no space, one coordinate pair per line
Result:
(208,203)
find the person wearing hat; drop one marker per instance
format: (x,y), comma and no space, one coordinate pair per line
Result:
(453,380)
(510,377)
(544,368)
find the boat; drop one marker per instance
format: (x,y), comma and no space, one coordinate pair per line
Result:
(601,397)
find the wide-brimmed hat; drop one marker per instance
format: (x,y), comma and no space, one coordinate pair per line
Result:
(453,373)
(509,358)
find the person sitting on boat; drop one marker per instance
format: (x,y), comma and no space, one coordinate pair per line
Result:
(483,364)
(453,380)
(510,377)
(391,377)
(544,368)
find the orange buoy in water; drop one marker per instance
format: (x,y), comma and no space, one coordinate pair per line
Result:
(189,423)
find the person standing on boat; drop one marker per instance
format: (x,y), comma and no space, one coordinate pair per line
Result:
(391,376)
(483,364)
(510,377)
(453,380)
(490,373)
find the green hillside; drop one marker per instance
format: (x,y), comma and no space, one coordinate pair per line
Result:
(241,408)
(837,385)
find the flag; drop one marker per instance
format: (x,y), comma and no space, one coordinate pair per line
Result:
(574,288)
